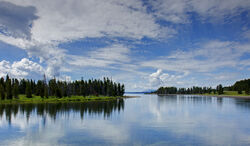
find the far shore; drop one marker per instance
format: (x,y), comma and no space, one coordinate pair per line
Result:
(213,95)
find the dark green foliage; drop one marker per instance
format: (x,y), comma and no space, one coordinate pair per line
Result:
(239,91)
(242,85)
(247,90)
(58,92)
(22,86)
(2,93)
(167,90)
(60,89)
(46,93)
(16,88)
(8,88)
(219,89)
(193,90)
(28,91)
(40,87)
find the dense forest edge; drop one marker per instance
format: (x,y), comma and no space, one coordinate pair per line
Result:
(14,90)
(240,88)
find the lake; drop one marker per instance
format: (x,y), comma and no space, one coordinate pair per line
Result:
(148,120)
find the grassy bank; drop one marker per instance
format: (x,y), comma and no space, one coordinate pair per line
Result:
(38,99)
(228,93)
(232,94)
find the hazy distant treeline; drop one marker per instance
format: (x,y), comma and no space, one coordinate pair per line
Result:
(243,85)
(11,88)
(192,90)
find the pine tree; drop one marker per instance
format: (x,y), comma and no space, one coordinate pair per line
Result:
(119,89)
(239,91)
(58,92)
(65,90)
(123,90)
(219,89)
(15,89)
(46,93)
(8,88)
(247,91)
(28,91)
(2,93)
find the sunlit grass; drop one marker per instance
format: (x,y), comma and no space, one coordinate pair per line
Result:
(230,93)
(51,99)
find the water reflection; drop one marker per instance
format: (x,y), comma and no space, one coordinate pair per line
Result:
(243,103)
(199,100)
(149,120)
(52,110)
(186,99)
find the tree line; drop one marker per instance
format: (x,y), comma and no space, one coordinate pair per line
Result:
(193,90)
(242,85)
(11,88)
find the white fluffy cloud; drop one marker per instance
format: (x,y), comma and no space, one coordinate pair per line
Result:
(155,78)
(16,20)
(46,24)
(209,57)
(102,57)
(21,69)
(159,78)
(54,22)
(176,11)
(198,66)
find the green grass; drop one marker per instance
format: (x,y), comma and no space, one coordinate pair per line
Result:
(38,99)
(229,93)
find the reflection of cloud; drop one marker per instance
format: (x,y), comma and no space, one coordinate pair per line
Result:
(32,132)
(45,130)
(200,119)
(105,130)
(185,117)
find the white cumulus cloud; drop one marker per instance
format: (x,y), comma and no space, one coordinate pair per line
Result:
(21,69)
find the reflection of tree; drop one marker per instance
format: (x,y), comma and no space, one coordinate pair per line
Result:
(184,99)
(219,101)
(104,109)
(242,103)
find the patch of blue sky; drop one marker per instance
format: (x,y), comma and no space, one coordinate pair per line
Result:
(11,53)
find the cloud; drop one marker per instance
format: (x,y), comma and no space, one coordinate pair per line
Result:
(116,52)
(159,78)
(155,78)
(21,69)
(16,20)
(91,18)
(50,23)
(246,34)
(102,57)
(46,25)
(206,65)
(178,11)
(117,134)
(209,57)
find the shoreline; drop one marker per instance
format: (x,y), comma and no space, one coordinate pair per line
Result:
(220,96)
(73,99)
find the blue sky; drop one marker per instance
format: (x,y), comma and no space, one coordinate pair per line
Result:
(141,43)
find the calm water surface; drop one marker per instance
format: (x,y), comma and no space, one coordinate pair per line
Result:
(148,120)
